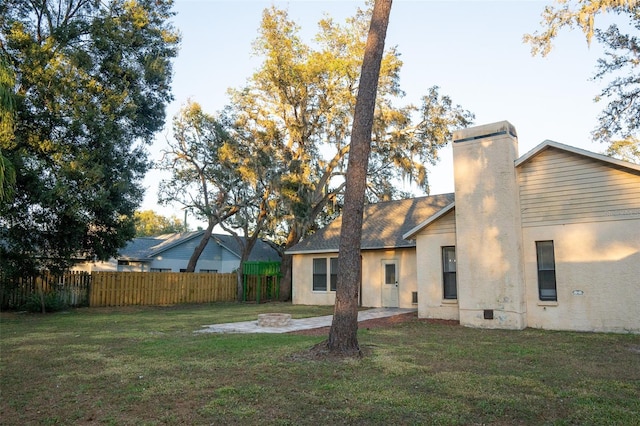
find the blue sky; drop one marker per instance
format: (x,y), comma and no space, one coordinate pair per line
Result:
(473,50)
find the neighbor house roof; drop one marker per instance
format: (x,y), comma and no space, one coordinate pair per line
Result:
(262,251)
(146,248)
(383,225)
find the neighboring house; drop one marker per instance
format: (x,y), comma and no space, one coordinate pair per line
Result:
(171,253)
(549,240)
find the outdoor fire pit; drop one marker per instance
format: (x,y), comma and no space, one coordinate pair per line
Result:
(273,320)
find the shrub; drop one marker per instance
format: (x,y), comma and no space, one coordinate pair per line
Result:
(53,302)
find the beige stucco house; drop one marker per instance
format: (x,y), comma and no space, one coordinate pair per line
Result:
(388,260)
(547,240)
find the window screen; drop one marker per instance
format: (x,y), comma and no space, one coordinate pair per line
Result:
(320,274)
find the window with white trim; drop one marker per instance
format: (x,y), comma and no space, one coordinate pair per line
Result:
(325,273)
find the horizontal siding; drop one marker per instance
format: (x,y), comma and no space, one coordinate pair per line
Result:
(444,225)
(561,187)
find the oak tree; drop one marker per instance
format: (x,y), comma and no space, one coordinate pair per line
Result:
(619,121)
(150,224)
(199,179)
(297,109)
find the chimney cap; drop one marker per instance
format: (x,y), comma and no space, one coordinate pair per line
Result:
(485,131)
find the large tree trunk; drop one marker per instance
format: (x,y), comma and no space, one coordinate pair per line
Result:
(247,248)
(193,260)
(286,265)
(286,278)
(343,336)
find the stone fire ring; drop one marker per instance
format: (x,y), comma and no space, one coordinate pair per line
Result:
(273,320)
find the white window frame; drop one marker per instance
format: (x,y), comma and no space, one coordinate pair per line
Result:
(331,277)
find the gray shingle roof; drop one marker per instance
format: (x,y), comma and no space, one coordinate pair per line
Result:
(383,225)
(262,251)
(145,248)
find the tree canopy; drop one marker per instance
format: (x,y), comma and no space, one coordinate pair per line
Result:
(297,110)
(619,122)
(92,82)
(620,68)
(203,179)
(150,223)
(7,111)
(275,159)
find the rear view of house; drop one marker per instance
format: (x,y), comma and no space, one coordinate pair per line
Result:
(548,240)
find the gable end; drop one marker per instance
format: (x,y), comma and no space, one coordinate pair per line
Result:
(559,186)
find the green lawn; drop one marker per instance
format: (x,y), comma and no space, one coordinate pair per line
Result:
(146,366)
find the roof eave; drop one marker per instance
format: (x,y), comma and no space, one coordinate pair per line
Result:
(410,235)
(552,144)
(314,251)
(175,243)
(319,251)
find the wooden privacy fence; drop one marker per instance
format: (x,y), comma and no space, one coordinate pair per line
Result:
(71,288)
(160,288)
(95,289)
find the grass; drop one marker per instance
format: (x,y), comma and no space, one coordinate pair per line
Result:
(145,366)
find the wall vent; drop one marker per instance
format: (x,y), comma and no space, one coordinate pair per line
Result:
(488,314)
(414,297)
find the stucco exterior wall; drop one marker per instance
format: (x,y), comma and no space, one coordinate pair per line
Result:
(372,278)
(431,301)
(597,277)
(302,281)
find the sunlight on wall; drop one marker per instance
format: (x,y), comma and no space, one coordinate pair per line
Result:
(586,246)
(469,169)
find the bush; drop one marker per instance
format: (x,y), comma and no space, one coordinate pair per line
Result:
(53,302)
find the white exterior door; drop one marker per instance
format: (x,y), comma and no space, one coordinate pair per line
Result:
(390,290)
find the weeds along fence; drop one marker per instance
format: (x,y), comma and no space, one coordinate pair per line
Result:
(70,289)
(97,289)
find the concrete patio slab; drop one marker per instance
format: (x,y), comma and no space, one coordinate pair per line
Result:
(299,324)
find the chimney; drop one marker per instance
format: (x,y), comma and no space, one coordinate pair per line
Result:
(490,275)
